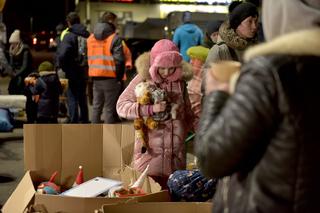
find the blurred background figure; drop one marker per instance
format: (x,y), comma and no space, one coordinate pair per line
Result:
(21,63)
(45,88)
(59,29)
(198,55)
(235,35)
(187,35)
(106,68)
(212,33)
(5,68)
(111,18)
(73,61)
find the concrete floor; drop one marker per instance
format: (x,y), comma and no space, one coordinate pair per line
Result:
(11,166)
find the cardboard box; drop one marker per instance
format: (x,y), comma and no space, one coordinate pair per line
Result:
(158,207)
(102,149)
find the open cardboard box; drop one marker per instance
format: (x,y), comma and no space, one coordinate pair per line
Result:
(160,207)
(102,149)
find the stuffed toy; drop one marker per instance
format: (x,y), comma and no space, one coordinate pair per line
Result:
(49,187)
(141,125)
(159,95)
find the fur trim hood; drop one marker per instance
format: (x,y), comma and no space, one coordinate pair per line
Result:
(304,42)
(232,39)
(142,65)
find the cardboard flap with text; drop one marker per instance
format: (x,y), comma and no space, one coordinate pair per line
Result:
(158,207)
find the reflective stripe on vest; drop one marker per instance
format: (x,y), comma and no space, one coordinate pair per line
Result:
(100,60)
(64,32)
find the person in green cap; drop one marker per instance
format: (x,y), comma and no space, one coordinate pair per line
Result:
(46,88)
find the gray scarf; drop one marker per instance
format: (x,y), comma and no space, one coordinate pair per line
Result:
(15,50)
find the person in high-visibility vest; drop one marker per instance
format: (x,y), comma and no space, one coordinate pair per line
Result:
(106,68)
(110,17)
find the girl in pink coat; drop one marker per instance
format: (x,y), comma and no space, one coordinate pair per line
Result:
(163,68)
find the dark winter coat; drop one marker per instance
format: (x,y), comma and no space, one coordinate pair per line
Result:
(266,135)
(67,53)
(22,67)
(49,88)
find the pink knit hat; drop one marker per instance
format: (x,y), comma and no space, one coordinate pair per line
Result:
(167,59)
(161,46)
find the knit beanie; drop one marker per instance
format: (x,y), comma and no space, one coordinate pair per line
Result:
(187,17)
(45,66)
(198,52)
(241,12)
(161,46)
(15,37)
(213,26)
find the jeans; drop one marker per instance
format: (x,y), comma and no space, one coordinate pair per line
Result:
(77,99)
(105,96)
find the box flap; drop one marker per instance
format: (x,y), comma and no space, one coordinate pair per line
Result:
(112,150)
(42,149)
(81,145)
(21,196)
(54,203)
(162,196)
(127,143)
(158,207)
(118,142)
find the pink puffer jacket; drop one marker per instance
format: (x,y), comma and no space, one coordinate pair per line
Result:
(166,148)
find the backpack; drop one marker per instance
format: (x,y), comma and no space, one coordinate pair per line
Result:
(82,57)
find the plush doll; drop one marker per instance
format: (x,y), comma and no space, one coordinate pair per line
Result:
(49,187)
(159,95)
(141,125)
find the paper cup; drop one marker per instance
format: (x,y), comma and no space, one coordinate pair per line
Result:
(223,70)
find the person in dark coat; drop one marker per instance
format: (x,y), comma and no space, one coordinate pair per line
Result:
(45,88)
(212,33)
(263,139)
(76,72)
(236,34)
(20,61)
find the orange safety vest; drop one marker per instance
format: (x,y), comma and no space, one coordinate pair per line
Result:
(100,59)
(127,55)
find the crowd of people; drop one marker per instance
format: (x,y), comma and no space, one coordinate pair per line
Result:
(255,135)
